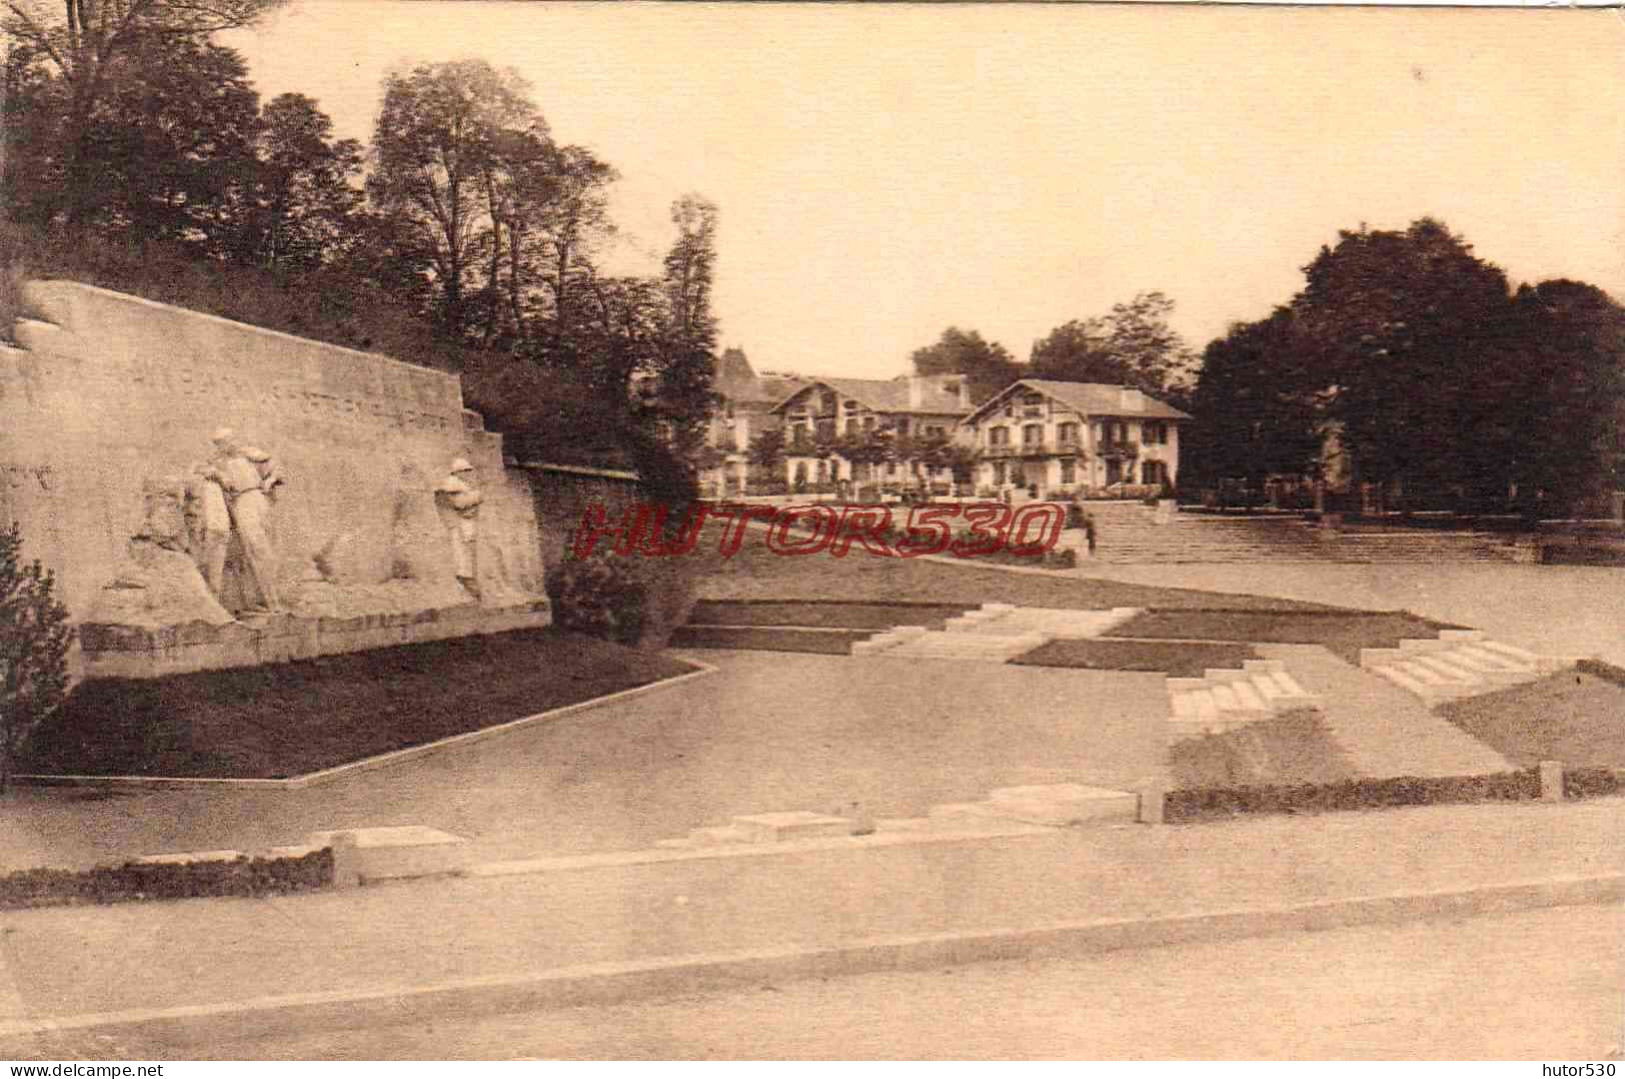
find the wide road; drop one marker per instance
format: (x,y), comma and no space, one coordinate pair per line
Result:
(1547,985)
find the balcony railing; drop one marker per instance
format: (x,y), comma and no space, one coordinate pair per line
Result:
(1124,448)
(1047,448)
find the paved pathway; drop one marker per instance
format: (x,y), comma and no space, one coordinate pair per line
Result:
(75,961)
(1435,990)
(1553,610)
(1383,730)
(770,731)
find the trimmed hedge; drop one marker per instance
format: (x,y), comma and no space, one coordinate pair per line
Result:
(1593,782)
(242,877)
(1215,803)
(1220,803)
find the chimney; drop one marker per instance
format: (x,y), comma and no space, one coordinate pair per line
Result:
(1133,400)
(916,391)
(960,385)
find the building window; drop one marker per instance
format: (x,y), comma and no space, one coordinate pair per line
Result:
(868,423)
(891,468)
(998,436)
(1032,434)
(1068,433)
(798,436)
(998,473)
(1069,470)
(852,426)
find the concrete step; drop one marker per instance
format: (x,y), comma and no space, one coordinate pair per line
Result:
(998,648)
(1063,804)
(1227,698)
(1457,663)
(773,827)
(1441,664)
(1428,692)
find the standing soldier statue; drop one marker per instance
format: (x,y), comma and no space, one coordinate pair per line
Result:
(458,499)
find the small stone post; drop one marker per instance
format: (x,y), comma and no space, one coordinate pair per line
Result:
(346,860)
(1151,799)
(1551,781)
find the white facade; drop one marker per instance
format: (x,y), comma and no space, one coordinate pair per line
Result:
(1060,437)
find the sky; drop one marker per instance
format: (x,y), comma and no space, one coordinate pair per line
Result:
(886,171)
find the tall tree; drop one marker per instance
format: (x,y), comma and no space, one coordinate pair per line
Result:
(433,148)
(1143,341)
(1077,351)
(95,45)
(1256,405)
(171,140)
(571,224)
(682,396)
(304,195)
(1133,345)
(987,366)
(1563,420)
(1396,323)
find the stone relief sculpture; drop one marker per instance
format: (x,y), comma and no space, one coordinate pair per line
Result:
(234,495)
(159,583)
(458,499)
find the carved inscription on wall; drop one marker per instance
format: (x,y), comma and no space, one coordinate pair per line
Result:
(397,401)
(42,477)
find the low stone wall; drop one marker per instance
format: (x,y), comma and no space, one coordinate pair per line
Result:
(563,493)
(108,408)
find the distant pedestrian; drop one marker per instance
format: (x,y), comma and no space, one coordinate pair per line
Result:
(1086,521)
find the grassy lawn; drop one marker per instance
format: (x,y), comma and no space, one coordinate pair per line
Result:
(1573,716)
(825,614)
(1341,633)
(757,573)
(1291,748)
(819,642)
(1179,659)
(292,718)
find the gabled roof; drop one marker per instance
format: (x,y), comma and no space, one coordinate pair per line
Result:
(1086,398)
(888,395)
(736,380)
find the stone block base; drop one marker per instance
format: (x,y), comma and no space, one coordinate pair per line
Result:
(773,827)
(112,651)
(361,855)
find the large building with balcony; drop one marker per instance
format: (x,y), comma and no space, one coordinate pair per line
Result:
(1062,437)
(907,410)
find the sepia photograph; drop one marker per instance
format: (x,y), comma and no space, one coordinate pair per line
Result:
(552,532)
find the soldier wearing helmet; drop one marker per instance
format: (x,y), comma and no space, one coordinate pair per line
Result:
(458,499)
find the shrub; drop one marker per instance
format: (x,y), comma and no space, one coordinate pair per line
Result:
(1211,803)
(1593,782)
(34,639)
(247,877)
(629,600)
(599,596)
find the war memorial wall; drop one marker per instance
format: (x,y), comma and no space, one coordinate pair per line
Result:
(211,494)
